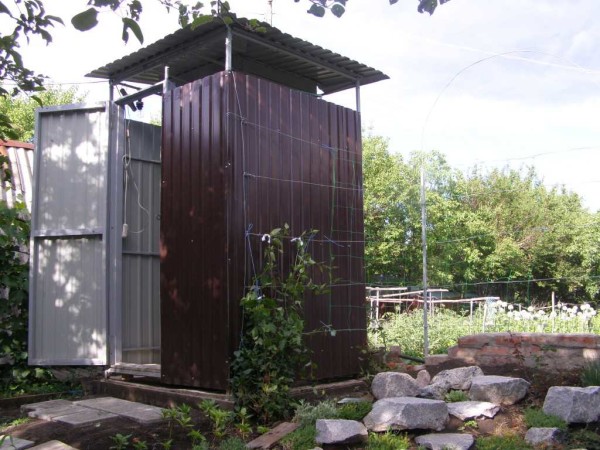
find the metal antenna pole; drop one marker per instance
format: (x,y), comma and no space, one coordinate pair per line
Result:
(270,2)
(424,242)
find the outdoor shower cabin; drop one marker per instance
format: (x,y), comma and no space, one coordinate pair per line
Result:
(145,237)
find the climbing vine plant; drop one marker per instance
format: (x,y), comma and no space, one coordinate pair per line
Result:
(272,350)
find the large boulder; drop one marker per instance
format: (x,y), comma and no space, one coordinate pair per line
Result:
(445,441)
(435,391)
(459,378)
(340,432)
(497,389)
(471,410)
(547,437)
(573,404)
(407,413)
(394,384)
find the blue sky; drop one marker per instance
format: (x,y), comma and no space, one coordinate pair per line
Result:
(541,98)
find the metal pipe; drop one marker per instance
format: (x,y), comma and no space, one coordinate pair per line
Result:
(357,88)
(424,242)
(228,46)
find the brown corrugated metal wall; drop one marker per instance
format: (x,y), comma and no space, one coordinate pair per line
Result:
(241,156)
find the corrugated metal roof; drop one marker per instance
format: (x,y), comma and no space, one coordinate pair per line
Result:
(273,54)
(20,157)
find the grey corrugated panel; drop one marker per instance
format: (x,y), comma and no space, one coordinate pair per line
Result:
(68,304)
(207,42)
(141,264)
(69,322)
(20,156)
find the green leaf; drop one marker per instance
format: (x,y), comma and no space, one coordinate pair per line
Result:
(55,19)
(338,10)
(85,20)
(4,9)
(201,20)
(130,24)
(316,10)
(38,100)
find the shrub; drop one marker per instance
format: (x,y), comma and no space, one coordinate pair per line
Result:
(272,350)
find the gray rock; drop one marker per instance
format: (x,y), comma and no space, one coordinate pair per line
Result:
(471,410)
(498,390)
(338,431)
(446,441)
(435,391)
(423,378)
(394,384)
(573,404)
(545,436)
(459,378)
(407,413)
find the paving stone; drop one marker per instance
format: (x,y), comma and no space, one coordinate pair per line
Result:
(139,412)
(51,413)
(85,417)
(53,445)
(46,405)
(15,443)
(446,441)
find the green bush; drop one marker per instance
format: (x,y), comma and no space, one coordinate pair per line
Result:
(535,417)
(273,351)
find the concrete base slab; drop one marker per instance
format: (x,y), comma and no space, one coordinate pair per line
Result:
(144,414)
(14,443)
(53,445)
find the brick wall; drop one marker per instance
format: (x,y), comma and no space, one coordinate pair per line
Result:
(547,352)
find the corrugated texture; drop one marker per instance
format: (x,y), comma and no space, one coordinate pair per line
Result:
(239,159)
(272,54)
(298,160)
(141,263)
(68,308)
(193,246)
(20,156)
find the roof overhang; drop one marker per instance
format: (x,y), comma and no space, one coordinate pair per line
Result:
(270,53)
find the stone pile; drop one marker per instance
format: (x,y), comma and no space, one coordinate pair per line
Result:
(405,403)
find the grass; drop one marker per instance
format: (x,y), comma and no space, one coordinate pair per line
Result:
(585,438)
(387,441)
(456,396)
(354,411)
(506,442)
(13,423)
(590,374)
(301,439)
(535,417)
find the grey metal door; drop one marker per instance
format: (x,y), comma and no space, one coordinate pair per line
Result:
(68,286)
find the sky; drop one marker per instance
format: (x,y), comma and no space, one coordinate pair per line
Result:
(486,83)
